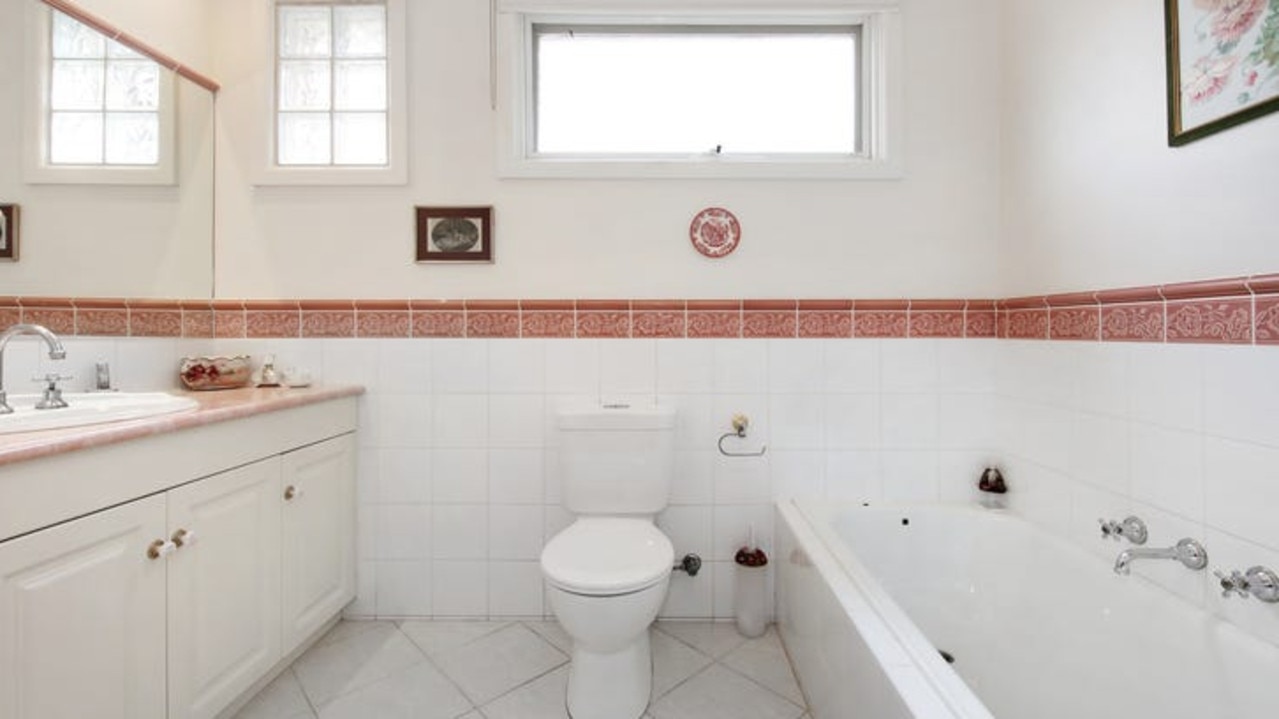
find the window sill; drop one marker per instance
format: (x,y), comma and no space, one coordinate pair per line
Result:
(840,167)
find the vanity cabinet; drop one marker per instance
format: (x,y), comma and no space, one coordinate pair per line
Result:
(176,603)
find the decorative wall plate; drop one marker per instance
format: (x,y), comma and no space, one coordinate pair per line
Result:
(715,232)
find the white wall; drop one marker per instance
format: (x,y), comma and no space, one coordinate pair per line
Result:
(1093,196)
(933,233)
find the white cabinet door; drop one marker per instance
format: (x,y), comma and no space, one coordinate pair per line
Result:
(224,587)
(82,627)
(318,488)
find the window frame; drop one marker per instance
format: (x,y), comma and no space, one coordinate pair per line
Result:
(36,165)
(880,122)
(395,172)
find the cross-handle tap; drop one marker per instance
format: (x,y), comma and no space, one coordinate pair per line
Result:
(56,352)
(1187,551)
(1259,582)
(1131,528)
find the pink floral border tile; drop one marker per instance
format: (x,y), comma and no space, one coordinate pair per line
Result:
(1216,321)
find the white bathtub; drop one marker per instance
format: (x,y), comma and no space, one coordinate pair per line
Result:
(869,596)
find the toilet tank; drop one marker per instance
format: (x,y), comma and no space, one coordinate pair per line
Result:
(616,459)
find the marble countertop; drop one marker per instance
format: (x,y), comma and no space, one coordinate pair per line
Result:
(217,406)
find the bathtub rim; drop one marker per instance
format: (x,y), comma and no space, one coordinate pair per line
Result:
(911,662)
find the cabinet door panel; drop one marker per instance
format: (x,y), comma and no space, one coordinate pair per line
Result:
(82,628)
(224,587)
(318,535)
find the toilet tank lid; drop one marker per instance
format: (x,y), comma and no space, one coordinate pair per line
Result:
(616,416)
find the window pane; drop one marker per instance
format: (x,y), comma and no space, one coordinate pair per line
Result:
(304,85)
(119,52)
(305,31)
(132,138)
(359,85)
(75,138)
(72,39)
(685,91)
(133,85)
(304,138)
(359,138)
(360,31)
(76,85)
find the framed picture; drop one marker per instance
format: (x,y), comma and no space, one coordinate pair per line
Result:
(9,232)
(454,234)
(1223,64)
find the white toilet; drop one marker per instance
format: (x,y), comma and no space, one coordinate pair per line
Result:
(608,572)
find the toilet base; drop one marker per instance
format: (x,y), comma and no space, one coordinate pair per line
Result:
(610,686)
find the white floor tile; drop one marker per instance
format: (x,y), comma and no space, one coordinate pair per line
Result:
(718,693)
(552,632)
(542,698)
(673,662)
(714,639)
(418,692)
(764,660)
(331,670)
(493,665)
(347,629)
(436,638)
(281,699)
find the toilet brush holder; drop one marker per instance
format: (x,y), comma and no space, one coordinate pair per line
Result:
(750,591)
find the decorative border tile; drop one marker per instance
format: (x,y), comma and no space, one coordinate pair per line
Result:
(1214,321)
(1142,322)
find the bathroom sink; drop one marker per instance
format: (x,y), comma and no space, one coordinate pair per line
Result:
(87,408)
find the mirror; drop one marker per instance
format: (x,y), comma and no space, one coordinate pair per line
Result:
(111,240)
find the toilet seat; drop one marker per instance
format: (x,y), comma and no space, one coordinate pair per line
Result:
(607,556)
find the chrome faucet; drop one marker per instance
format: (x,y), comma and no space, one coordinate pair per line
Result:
(1187,551)
(51,340)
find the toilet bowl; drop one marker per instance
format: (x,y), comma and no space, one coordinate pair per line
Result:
(607,578)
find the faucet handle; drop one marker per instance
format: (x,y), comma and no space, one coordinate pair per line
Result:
(52,379)
(1263,583)
(1233,583)
(1132,528)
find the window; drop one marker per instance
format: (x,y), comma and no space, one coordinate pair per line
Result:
(105,112)
(338,93)
(697,96)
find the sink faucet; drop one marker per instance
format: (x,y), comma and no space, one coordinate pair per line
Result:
(51,340)
(1187,551)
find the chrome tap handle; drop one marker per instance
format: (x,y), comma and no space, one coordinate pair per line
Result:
(1263,583)
(1233,583)
(1109,528)
(1132,528)
(52,398)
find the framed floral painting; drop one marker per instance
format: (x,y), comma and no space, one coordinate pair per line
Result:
(1223,64)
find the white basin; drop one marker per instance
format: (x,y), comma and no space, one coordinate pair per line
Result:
(86,408)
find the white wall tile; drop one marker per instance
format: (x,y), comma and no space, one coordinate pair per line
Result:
(459,476)
(628,367)
(460,420)
(1165,531)
(908,421)
(854,476)
(967,365)
(851,421)
(851,366)
(404,365)
(1226,553)
(694,481)
(573,367)
(755,408)
(909,365)
(404,531)
(517,367)
(1100,450)
(555,519)
(1089,504)
(1101,379)
(364,605)
(965,421)
(910,476)
(733,525)
(797,474)
(1167,470)
(696,425)
(796,421)
(459,531)
(404,476)
(1039,494)
(516,420)
(741,366)
(515,589)
(1241,394)
(515,532)
(958,473)
(685,366)
(742,480)
(690,597)
(404,419)
(403,589)
(1242,490)
(795,366)
(459,589)
(348,361)
(459,366)
(1167,385)
(722,574)
(516,476)
(689,529)
(141,364)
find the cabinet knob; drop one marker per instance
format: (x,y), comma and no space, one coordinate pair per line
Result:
(183,537)
(291,493)
(160,548)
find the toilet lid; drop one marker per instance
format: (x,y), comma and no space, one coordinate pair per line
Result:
(607,555)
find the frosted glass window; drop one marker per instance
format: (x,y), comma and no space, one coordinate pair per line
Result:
(332,60)
(104,100)
(679,90)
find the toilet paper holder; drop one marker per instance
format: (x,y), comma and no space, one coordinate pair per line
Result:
(740,422)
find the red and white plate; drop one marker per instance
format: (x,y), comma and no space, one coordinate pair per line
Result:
(715,232)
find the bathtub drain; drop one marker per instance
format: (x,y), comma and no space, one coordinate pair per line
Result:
(950,658)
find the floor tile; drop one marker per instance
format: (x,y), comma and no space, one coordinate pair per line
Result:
(673,662)
(331,670)
(542,698)
(436,638)
(493,665)
(350,628)
(764,660)
(552,632)
(418,692)
(718,693)
(281,699)
(714,639)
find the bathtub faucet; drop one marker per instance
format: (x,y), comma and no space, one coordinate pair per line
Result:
(1187,551)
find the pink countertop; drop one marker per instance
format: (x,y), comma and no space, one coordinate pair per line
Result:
(218,406)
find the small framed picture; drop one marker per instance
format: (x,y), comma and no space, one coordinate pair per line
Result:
(454,234)
(9,232)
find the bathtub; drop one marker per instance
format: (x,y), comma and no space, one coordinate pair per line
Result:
(868,598)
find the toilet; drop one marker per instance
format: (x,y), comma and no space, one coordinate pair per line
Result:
(608,572)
